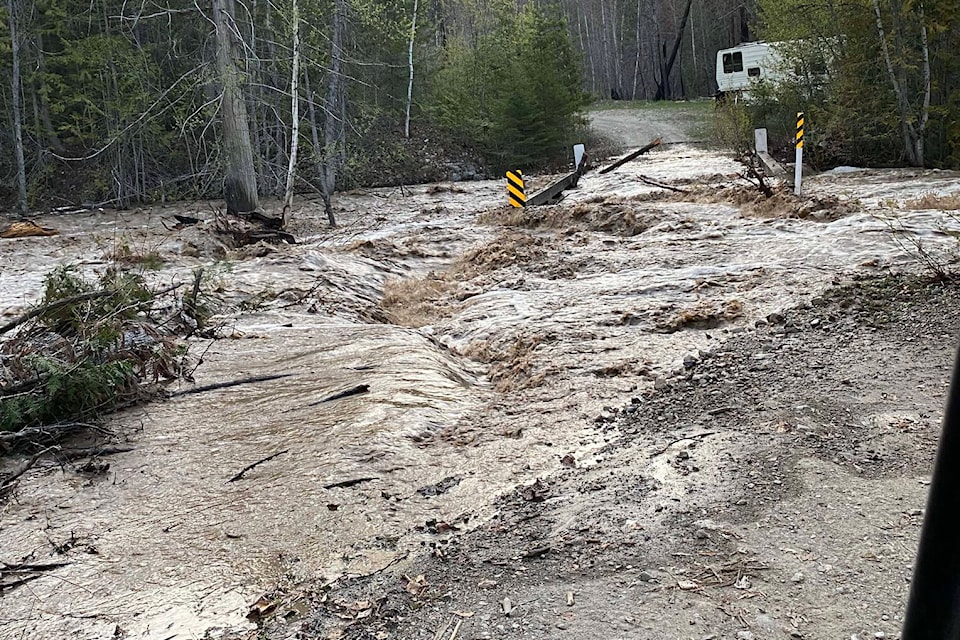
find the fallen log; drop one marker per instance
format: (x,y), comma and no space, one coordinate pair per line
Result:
(47,432)
(26,229)
(632,156)
(231,383)
(655,183)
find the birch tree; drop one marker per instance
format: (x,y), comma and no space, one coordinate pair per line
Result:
(294,113)
(413,37)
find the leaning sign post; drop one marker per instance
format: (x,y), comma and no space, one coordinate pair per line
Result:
(798,171)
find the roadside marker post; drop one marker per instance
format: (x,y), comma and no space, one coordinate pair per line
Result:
(515,189)
(798,171)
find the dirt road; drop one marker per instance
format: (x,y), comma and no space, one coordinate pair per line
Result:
(635,127)
(640,413)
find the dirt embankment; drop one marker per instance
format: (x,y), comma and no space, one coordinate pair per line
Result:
(772,488)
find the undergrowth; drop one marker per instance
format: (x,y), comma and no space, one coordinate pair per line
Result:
(92,346)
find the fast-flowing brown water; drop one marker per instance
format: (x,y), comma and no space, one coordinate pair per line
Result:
(537,330)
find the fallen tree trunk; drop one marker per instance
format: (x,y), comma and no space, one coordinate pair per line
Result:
(632,156)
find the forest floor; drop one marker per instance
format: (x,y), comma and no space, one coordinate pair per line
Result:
(641,413)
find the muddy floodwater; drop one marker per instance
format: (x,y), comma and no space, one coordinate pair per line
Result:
(487,341)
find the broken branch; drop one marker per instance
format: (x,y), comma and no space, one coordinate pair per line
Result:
(655,183)
(231,383)
(354,391)
(249,467)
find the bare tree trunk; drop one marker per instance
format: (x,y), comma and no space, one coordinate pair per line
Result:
(617,53)
(333,128)
(663,91)
(636,66)
(294,114)
(314,129)
(605,47)
(413,37)
(589,49)
(693,45)
(44,108)
(240,178)
(17,114)
(903,107)
(925,109)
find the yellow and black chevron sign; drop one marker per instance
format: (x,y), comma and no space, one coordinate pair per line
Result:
(800,130)
(515,191)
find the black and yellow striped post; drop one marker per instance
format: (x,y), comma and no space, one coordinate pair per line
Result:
(515,189)
(798,171)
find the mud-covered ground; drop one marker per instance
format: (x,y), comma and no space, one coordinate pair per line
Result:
(774,488)
(599,415)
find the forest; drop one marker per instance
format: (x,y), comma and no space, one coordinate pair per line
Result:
(113,103)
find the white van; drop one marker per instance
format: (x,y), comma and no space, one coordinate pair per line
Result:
(739,67)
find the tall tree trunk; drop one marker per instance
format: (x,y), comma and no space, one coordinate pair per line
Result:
(17,112)
(44,107)
(925,108)
(294,114)
(663,91)
(605,47)
(333,128)
(895,73)
(413,37)
(589,50)
(240,178)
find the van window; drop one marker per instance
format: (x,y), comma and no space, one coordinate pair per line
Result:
(753,72)
(732,62)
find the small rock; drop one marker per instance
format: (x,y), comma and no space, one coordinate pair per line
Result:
(879,635)
(562,626)
(775,318)
(690,361)
(646,576)
(798,577)
(815,322)
(745,635)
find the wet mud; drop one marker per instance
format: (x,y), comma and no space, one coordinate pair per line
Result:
(488,341)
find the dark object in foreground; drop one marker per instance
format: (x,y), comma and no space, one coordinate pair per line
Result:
(933,611)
